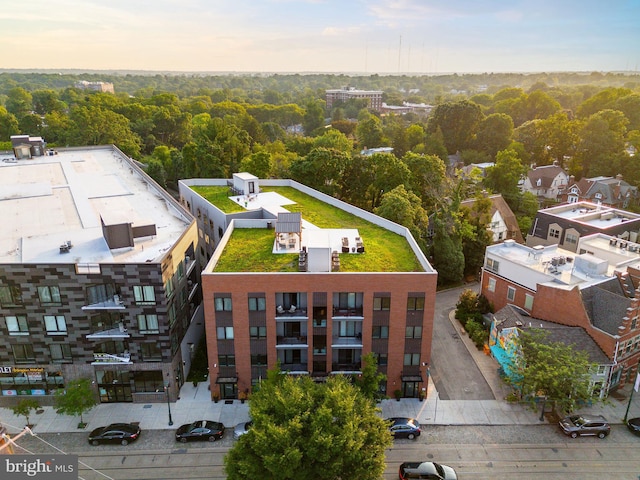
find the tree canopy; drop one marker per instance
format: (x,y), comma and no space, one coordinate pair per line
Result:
(304,430)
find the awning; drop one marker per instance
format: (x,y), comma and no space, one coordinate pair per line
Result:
(227,380)
(412,378)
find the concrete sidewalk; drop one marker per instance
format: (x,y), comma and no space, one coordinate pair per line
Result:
(195,403)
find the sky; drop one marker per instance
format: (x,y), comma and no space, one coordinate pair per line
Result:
(326,36)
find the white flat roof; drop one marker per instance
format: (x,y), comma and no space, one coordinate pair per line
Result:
(49,200)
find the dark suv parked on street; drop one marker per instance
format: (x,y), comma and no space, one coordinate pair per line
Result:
(575,425)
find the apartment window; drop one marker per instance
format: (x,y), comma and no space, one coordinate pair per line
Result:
(171,314)
(415,303)
(150,352)
(168,288)
(511,294)
(23,353)
(223,304)
(411,359)
(10,296)
(100,293)
(528,301)
(49,295)
(225,333)
(554,232)
(602,369)
(258,332)
(380,332)
(257,304)
(382,303)
(491,286)
(492,265)
(144,295)
(55,324)
(413,332)
(634,322)
(60,353)
(17,325)
(346,300)
(348,329)
(227,360)
(571,238)
(148,323)
(258,360)
(382,358)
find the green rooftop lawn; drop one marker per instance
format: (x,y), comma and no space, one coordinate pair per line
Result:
(218,196)
(250,250)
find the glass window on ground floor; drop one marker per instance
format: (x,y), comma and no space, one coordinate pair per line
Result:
(29,381)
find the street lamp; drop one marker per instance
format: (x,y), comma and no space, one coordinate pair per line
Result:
(166,389)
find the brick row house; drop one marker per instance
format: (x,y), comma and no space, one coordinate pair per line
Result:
(98,279)
(595,288)
(313,299)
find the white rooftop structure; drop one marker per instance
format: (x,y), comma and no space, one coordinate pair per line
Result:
(530,266)
(67,198)
(591,214)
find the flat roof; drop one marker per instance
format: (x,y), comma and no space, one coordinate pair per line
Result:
(592,214)
(50,200)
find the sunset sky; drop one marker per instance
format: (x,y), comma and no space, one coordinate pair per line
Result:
(350,36)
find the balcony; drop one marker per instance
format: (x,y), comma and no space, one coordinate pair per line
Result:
(291,342)
(291,314)
(345,368)
(347,342)
(112,303)
(294,368)
(348,312)
(117,331)
(123,358)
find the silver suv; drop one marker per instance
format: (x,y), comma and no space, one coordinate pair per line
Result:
(578,424)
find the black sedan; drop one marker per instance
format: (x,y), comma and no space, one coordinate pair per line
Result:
(200,430)
(404,427)
(633,424)
(122,433)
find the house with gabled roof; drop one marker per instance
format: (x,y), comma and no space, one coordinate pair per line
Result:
(609,191)
(548,181)
(504,224)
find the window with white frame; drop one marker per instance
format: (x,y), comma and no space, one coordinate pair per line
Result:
(144,294)
(492,264)
(148,323)
(55,324)
(528,301)
(225,333)
(17,325)
(571,238)
(511,294)
(491,285)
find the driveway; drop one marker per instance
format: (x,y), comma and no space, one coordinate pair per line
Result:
(453,370)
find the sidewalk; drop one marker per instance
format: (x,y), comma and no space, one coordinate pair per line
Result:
(195,403)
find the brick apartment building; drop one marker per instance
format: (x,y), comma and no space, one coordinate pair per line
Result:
(98,278)
(374,97)
(315,299)
(596,289)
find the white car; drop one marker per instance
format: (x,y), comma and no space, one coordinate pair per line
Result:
(241,429)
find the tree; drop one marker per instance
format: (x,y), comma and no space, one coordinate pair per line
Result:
(478,217)
(458,122)
(313,117)
(24,408)
(554,370)
(503,178)
(494,134)
(369,132)
(405,208)
(19,102)
(370,379)
(303,430)
(258,164)
(428,177)
(76,399)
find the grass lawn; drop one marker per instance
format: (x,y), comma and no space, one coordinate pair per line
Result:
(250,250)
(218,196)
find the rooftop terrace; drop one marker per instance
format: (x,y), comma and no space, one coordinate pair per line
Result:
(251,247)
(50,200)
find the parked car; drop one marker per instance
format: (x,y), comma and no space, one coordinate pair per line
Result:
(575,425)
(430,470)
(241,429)
(404,427)
(633,424)
(122,433)
(200,430)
